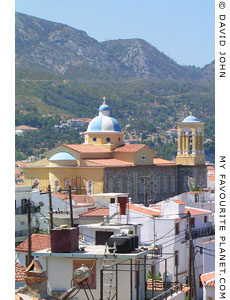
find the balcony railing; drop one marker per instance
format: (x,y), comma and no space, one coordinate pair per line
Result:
(22,210)
(169,293)
(201,232)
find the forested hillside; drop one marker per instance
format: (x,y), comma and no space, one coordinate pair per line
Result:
(62,73)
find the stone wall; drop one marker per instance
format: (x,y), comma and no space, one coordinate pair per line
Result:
(155,182)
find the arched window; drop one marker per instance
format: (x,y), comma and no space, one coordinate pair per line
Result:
(94,139)
(108,139)
(90,187)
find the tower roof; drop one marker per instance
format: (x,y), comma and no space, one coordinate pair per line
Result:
(190,119)
(103,122)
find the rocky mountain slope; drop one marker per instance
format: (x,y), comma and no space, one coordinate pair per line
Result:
(71,53)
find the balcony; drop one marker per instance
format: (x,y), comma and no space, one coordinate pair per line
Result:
(201,232)
(22,210)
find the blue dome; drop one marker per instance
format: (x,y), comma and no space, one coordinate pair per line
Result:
(62,156)
(190,119)
(104,107)
(104,124)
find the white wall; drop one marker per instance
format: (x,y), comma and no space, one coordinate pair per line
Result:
(60,272)
(208,257)
(209,292)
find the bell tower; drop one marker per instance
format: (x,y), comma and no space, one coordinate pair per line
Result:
(190,142)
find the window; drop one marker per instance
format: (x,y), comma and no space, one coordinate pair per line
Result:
(143,157)
(108,139)
(177,228)
(201,250)
(102,237)
(112,200)
(176,256)
(94,139)
(173,183)
(67,184)
(205,219)
(56,185)
(201,180)
(165,184)
(119,139)
(90,187)
(196,198)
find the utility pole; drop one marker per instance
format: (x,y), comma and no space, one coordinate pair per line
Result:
(190,256)
(71,206)
(193,272)
(69,190)
(50,212)
(50,208)
(29,257)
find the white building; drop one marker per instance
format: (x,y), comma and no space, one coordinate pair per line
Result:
(60,266)
(208,281)
(165,226)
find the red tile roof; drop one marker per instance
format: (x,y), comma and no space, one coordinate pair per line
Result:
(84,148)
(129,148)
(156,211)
(96,212)
(211,178)
(163,162)
(144,210)
(208,279)
(195,192)
(24,127)
(196,211)
(111,162)
(19,272)
(179,202)
(38,242)
(77,200)
(208,242)
(20,163)
(17,172)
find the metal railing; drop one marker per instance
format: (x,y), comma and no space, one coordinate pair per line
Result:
(201,232)
(169,293)
(22,210)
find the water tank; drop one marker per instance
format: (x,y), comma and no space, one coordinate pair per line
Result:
(64,240)
(81,273)
(135,240)
(124,243)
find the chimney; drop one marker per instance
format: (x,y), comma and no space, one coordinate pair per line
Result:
(36,278)
(123,202)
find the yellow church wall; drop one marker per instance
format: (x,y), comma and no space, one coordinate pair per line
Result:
(78,177)
(147,153)
(128,157)
(41,174)
(116,139)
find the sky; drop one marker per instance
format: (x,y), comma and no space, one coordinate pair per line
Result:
(182,29)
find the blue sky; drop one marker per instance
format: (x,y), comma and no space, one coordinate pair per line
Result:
(182,29)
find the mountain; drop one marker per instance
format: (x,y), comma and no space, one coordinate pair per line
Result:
(62,73)
(72,54)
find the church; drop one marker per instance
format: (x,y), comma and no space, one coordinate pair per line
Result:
(105,164)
